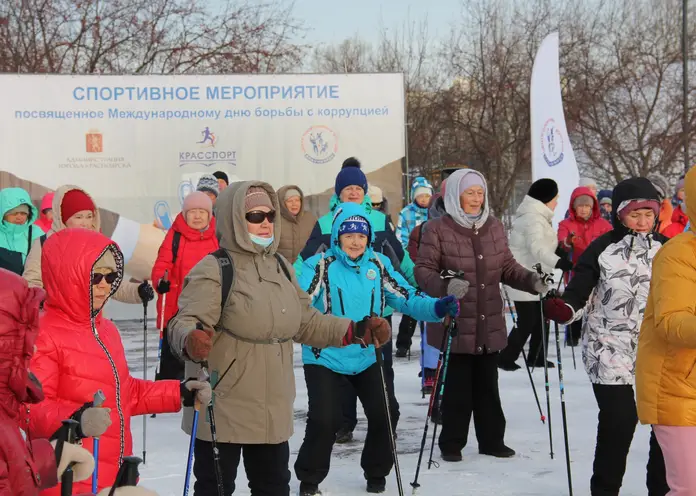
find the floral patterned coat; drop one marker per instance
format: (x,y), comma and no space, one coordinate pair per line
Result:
(614,275)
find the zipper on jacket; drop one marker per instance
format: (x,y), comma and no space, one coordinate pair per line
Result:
(119,410)
(340,301)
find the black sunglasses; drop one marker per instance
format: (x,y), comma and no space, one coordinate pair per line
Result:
(110,278)
(257,217)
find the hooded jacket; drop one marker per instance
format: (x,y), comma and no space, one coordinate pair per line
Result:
(533,240)
(615,272)
(26,465)
(127,292)
(435,211)
(294,229)
(356,289)
(386,242)
(193,246)
(255,329)
(79,352)
(46,204)
(412,214)
(605,193)
(585,231)
(16,240)
(665,372)
(679,221)
(482,253)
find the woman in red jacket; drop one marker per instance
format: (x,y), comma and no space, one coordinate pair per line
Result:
(583,225)
(27,464)
(79,352)
(191,238)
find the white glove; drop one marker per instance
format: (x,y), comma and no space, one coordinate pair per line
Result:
(201,391)
(83,460)
(128,491)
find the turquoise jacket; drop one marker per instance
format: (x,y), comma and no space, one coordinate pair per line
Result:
(15,240)
(356,289)
(385,242)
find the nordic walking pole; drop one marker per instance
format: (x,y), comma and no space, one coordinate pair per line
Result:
(524,356)
(422,360)
(204,377)
(67,435)
(387,410)
(537,267)
(431,403)
(563,411)
(98,401)
(161,327)
(144,377)
(192,443)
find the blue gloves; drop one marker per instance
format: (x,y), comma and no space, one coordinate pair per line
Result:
(447,306)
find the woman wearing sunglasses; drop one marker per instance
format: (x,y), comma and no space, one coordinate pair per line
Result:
(78,352)
(250,352)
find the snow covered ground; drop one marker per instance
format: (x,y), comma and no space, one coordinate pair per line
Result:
(530,472)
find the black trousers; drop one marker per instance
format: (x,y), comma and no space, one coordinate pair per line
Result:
(471,386)
(266,467)
(350,399)
(618,418)
(170,367)
(576,331)
(324,420)
(529,322)
(407,327)
(656,479)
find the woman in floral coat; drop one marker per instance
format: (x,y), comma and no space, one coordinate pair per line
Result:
(615,271)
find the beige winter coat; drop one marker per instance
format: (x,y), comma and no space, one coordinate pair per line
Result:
(254,400)
(126,293)
(294,230)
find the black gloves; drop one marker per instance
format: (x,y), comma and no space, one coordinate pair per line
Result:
(564,264)
(163,286)
(146,292)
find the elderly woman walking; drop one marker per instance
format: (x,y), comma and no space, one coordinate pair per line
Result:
(256,315)
(469,239)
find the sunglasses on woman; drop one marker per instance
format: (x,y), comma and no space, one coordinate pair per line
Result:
(257,217)
(109,278)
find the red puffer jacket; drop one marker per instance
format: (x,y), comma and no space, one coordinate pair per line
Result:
(25,467)
(679,221)
(585,231)
(193,246)
(78,354)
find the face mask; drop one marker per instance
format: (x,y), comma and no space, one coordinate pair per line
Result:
(264,242)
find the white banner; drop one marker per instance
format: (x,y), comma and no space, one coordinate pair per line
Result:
(139,143)
(552,153)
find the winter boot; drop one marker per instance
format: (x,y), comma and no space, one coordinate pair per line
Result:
(376,485)
(401,352)
(501,452)
(429,381)
(508,366)
(451,457)
(307,489)
(344,436)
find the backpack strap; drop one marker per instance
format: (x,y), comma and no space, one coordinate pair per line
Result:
(226,266)
(31,226)
(176,239)
(420,235)
(42,239)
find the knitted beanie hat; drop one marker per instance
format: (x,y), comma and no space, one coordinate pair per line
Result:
(543,190)
(355,224)
(350,175)
(75,201)
(208,183)
(198,199)
(257,197)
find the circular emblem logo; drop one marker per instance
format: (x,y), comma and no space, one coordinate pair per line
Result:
(552,143)
(371,274)
(319,144)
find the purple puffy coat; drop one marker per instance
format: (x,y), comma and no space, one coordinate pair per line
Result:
(485,258)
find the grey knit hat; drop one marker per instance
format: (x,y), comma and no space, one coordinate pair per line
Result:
(209,183)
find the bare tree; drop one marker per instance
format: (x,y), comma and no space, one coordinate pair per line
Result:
(146,36)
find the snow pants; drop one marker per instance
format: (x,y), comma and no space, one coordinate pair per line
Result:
(170,367)
(679,447)
(529,322)
(266,467)
(471,387)
(324,419)
(350,399)
(407,327)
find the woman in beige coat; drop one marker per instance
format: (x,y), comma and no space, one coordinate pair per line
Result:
(250,353)
(296,222)
(74,207)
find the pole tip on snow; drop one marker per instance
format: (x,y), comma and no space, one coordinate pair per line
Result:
(543,419)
